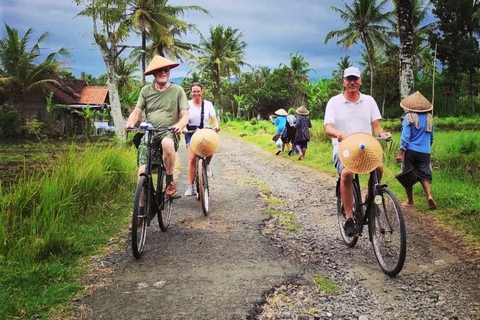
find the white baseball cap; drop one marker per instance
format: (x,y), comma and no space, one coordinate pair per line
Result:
(351,71)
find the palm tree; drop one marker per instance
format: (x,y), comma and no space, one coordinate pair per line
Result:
(222,55)
(159,22)
(365,22)
(19,73)
(343,64)
(298,71)
(413,38)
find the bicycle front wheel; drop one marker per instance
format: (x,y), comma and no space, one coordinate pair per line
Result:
(203,185)
(349,241)
(140,217)
(164,213)
(389,236)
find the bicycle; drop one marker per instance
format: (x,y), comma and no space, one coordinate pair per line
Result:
(201,179)
(382,213)
(151,194)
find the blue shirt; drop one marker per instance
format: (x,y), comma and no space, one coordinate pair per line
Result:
(416,139)
(280,122)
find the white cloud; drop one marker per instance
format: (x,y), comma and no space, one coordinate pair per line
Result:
(272,30)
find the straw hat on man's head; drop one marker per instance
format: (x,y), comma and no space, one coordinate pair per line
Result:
(360,153)
(159,62)
(302,110)
(416,103)
(281,112)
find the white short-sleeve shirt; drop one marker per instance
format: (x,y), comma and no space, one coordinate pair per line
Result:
(351,117)
(194,113)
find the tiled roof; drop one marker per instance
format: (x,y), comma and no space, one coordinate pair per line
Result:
(93,95)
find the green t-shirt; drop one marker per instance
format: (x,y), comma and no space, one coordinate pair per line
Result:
(162,107)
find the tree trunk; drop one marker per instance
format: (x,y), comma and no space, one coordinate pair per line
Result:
(405,24)
(109,57)
(144,50)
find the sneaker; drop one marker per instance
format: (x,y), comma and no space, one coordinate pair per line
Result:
(171,189)
(209,172)
(190,191)
(350,228)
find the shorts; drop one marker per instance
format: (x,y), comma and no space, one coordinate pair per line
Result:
(420,162)
(302,144)
(156,148)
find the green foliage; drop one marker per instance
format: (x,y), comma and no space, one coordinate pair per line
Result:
(49,221)
(34,128)
(10,124)
(326,285)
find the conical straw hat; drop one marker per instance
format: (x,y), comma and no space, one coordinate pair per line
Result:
(204,142)
(416,103)
(302,110)
(281,112)
(360,153)
(159,62)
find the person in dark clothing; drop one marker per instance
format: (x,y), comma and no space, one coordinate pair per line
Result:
(302,135)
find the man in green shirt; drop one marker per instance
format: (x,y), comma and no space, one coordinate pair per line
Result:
(166,105)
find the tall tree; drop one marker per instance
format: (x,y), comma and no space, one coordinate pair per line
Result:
(19,72)
(110,29)
(160,22)
(298,73)
(366,22)
(404,14)
(221,56)
(457,46)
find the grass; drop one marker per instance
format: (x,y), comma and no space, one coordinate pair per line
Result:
(287,220)
(50,222)
(325,285)
(455,161)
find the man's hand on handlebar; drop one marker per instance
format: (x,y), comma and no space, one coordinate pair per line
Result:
(176,129)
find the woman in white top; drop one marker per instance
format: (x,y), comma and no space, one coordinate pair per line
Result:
(194,113)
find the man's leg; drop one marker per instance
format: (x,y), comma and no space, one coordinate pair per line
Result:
(168,149)
(346,192)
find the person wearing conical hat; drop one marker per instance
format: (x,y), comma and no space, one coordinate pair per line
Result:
(166,105)
(416,142)
(350,112)
(302,135)
(280,122)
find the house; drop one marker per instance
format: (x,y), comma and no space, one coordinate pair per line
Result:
(69,97)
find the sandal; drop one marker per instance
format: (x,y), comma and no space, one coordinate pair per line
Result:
(278,152)
(290,152)
(431,204)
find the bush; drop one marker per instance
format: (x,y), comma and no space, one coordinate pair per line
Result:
(10,124)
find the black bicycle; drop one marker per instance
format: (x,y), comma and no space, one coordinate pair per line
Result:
(386,226)
(150,198)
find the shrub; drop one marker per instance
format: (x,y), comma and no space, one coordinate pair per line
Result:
(10,124)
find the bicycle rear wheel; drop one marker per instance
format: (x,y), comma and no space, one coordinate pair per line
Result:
(349,241)
(203,185)
(389,236)
(164,214)
(140,217)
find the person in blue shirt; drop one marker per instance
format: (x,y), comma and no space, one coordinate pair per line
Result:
(416,142)
(280,122)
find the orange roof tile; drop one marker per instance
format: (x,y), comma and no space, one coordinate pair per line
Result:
(93,95)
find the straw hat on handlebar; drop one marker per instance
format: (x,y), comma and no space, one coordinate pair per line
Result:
(360,153)
(204,142)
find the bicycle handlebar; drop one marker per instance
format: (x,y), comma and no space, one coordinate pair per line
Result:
(193,131)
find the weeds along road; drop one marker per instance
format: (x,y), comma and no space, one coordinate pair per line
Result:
(242,263)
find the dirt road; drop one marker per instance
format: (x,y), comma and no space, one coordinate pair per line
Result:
(239,263)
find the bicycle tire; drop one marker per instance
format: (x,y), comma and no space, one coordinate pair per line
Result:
(349,241)
(139,235)
(195,183)
(164,216)
(203,186)
(389,236)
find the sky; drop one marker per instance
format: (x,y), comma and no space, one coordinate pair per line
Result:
(272,30)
